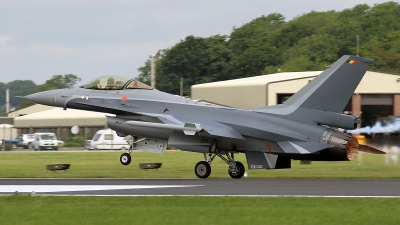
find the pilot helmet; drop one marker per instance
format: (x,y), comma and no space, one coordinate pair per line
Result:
(110,80)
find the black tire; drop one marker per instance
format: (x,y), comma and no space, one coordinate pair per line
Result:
(125,159)
(30,145)
(239,171)
(202,169)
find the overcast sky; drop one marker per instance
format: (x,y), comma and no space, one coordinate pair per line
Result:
(91,38)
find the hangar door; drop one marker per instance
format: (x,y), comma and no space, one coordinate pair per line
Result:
(374,106)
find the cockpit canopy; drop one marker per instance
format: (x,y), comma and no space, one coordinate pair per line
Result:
(115,83)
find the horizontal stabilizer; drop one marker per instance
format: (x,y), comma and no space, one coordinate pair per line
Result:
(302,147)
(369,149)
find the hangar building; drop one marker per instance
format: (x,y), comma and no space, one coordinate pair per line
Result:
(377,95)
(40,118)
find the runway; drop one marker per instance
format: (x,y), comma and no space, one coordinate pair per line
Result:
(204,187)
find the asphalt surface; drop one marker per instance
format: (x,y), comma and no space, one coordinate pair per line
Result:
(230,187)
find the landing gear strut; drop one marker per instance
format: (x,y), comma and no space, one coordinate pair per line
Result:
(126,158)
(203,168)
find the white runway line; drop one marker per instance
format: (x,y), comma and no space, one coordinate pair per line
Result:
(66,188)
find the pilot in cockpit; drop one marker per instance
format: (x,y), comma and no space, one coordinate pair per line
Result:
(110,83)
(119,85)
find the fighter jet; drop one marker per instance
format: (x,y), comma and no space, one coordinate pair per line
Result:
(310,125)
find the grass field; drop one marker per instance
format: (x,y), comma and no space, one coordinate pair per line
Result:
(179,164)
(25,209)
(18,209)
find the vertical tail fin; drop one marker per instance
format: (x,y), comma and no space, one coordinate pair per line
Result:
(333,88)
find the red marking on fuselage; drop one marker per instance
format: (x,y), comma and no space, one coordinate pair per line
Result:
(167,106)
(124,98)
(269,147)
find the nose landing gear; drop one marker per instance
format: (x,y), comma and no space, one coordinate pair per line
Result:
(126,158)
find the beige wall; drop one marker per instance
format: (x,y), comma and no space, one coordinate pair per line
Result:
(29,110)
(285,87)
(245,93)
(7,132)
(378,83)
(372,83)
(57,117)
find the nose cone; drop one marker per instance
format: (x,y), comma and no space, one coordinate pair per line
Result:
(44,98)
(33,97)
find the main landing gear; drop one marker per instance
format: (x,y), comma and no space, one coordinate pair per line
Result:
(126,158)
(203,168)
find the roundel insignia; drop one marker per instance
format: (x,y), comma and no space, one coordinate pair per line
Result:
(353,62)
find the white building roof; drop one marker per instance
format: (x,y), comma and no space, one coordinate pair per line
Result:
(261,80)
(58,117)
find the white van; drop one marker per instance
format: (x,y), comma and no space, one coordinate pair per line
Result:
(45,141)
(108,139)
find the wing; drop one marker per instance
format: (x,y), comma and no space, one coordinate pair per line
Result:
(170,122)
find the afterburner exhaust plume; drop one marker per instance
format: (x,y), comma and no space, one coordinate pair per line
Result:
(394,126)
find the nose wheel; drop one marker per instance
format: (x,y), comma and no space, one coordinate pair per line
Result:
(125,159)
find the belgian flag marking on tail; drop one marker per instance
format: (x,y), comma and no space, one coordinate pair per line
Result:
(352,62)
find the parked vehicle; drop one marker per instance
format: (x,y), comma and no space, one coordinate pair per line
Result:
(13,142)
(45,141)
(26,141)
(108,139)
(86,144)
(1,145)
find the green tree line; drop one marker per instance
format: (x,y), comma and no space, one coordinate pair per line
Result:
(26,87)
(269,44)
